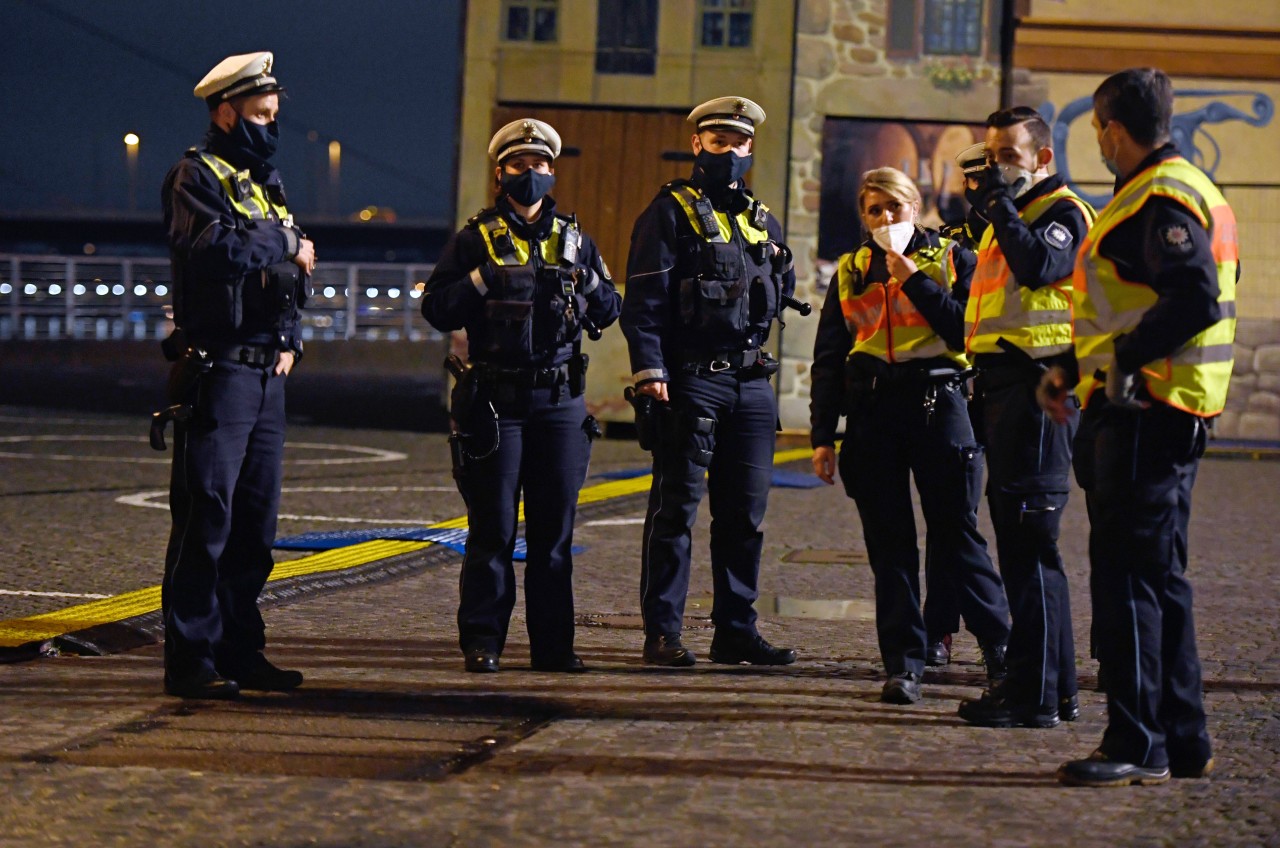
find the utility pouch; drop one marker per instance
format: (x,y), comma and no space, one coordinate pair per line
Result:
(720,261)
(578,364)
(765,366)
(283,283)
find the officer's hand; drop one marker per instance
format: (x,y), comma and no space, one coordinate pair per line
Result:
(824,464)
(1122,388)
(284,362)
(1053,394)
(901,267)
(306,257)
(994,188)
(655,389)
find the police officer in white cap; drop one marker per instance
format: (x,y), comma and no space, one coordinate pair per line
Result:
(240,269)
(524,281)
(706,278)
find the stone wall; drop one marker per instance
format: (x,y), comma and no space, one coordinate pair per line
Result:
(842,71)
(1253,404)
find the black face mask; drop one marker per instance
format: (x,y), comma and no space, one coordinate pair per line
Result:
(721,170)
(527,188)
(259,139)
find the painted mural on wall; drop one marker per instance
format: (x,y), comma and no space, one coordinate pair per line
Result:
(923,150)
(1197,112)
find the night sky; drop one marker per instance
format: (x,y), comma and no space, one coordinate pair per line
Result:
(380,76)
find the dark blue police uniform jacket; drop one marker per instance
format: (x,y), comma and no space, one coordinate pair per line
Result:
(543,441)
(724,416)
(225,485)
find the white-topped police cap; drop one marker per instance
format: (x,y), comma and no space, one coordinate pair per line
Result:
(238,76)
(973,158)
(728,113)
(527,135)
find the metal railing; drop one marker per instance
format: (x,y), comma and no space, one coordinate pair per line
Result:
(49,297)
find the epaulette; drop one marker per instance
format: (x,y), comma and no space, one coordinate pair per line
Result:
(487,212)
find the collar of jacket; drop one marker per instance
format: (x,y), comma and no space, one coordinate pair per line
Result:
(539,229)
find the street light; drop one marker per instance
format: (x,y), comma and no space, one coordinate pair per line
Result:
(131,142)
(335,176)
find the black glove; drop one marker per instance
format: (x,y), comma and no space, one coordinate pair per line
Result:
(994,189)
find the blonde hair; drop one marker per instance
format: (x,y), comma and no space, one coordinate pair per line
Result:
(893,183)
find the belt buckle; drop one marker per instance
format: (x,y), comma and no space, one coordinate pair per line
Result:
(718,365)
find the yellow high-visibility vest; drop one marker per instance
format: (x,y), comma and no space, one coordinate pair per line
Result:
(882,319)
(1036,320)
(494,227)
(687,195)
(1195,377)
(247,197)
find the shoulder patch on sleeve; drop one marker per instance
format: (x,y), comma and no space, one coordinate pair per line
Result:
(1057,236)
(604,270)
(1176,239)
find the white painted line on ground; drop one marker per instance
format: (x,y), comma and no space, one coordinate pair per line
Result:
(32,593)
(369,489)
(148,500)
(613,522)
(40,419)
(367,454)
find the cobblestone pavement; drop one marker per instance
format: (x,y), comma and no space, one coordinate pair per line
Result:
(389,743)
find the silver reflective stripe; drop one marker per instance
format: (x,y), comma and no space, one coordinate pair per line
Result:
(1204,355)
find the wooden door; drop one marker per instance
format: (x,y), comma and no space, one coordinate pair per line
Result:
(612,164)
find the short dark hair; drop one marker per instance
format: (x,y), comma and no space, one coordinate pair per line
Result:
(1141,99)
(1036,126)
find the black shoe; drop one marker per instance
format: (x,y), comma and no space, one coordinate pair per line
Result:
(570,664)
(482,661)
(207,685)
(995,710)
(750,648)
(1202,768)
(259,674)
(901,689)
(667,650)
(938,654)
(1069,708)
(993,659)
(1100,771)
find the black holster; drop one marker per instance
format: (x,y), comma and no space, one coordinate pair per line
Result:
(645,407)
(184,376)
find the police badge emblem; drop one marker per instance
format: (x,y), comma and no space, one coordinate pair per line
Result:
(1058,236)
(1176,238)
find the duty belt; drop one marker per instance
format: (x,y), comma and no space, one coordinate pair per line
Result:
(257,356)
(906,376)
(721,361)
(536,378)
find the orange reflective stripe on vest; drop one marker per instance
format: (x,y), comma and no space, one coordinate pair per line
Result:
(882,319)
(1038,321)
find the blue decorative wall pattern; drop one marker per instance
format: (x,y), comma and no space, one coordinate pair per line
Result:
(1188,131)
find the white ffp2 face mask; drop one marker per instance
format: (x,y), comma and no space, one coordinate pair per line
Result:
(1019,179)
(894,237)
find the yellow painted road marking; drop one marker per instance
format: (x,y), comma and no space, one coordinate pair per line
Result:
(49,625)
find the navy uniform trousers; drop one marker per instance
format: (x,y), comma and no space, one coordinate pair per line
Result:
(543,451)
(1029,463)
(746,419)
(1137,469)
(891,435)
(224,494)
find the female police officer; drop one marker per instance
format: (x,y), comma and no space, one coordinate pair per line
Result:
(523,281)
(885,356)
